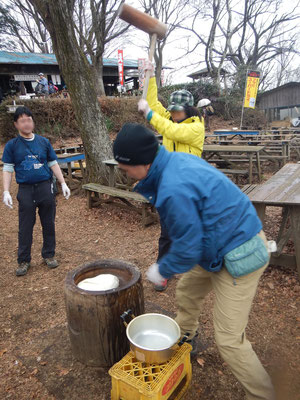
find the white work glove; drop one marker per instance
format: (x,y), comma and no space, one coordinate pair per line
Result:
(7,200)
(143,107)
(66,191)
(154,276)
(149,66)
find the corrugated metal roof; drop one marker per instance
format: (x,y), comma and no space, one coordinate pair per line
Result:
(7,57)
(285,86)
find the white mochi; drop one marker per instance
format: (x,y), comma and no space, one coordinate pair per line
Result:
(99,282)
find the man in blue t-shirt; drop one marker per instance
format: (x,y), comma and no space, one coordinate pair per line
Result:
(34,161)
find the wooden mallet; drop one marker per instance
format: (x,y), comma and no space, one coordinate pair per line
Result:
(148,24)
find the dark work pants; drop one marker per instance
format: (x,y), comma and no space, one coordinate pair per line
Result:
(164,241)
(31,197)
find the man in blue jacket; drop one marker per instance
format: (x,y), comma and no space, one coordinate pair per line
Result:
(34,162)
(207,217)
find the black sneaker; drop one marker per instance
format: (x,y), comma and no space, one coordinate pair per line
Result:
(51,262)
(194,343)
(22,269)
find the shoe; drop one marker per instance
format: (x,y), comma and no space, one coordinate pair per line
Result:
(162,287)
(51,262)
(22,269)
(194,343)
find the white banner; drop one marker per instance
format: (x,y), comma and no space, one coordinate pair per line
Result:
(141,70)
(25,78)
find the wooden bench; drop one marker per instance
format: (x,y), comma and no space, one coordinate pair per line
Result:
(94,192)
(236,173)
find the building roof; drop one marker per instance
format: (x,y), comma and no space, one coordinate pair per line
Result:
(203,73)
(7,57)
(285,86)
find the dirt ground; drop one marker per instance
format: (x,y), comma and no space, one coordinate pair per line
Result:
(35,355)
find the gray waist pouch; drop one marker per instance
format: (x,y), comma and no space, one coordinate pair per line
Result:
(248,257)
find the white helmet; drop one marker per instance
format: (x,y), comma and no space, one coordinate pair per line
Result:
(203,103)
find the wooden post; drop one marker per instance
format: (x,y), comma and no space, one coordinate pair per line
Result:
(89,199)
(295,221)
(260,209)
(258,166)
(250,167)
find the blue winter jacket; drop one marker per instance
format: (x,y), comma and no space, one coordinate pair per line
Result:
(205,214)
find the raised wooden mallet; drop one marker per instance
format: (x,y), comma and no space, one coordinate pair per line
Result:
(148,24)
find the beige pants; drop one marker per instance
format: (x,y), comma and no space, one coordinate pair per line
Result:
(233,300)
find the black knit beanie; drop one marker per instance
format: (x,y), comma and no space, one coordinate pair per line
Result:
(135,145)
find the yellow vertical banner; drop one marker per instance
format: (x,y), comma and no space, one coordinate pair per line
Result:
(251,89)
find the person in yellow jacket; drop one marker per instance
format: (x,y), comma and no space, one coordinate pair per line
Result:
(180,125)
(182,129)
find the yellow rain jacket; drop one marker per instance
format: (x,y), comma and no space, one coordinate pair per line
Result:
(186,136)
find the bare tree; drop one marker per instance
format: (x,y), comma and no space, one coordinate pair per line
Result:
(171,12)
(23,28)
(58,16)
(95,22)
(217,14)
(97,26)
(248,35)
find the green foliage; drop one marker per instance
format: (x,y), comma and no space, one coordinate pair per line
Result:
(55,119)
(198,89)
(227,106)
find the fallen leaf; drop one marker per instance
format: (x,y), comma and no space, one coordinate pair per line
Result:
(35,371)
(2,352)
(64,372)
(201,362)
(270,285)
(220,373)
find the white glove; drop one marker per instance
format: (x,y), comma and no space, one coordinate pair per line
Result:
(149,66)
(66,191)
(143,107)
(154,276)
(7,200)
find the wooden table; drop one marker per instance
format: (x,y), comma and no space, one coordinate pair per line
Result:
(74,149)
(209,151)
(282,190)
(275,150)
(65,160)
(235,132)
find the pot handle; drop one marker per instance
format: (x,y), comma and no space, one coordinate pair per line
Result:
(184,339)
(125,315)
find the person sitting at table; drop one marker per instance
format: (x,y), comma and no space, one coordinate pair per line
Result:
(182,129)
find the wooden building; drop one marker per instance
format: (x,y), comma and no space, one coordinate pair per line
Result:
(281,103)
(204,73)
(20,70)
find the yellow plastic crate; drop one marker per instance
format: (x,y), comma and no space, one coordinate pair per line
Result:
(133,380)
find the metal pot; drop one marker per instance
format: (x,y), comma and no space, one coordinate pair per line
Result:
(153,337)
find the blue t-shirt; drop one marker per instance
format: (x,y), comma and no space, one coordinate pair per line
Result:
(44,83)
(30,158)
